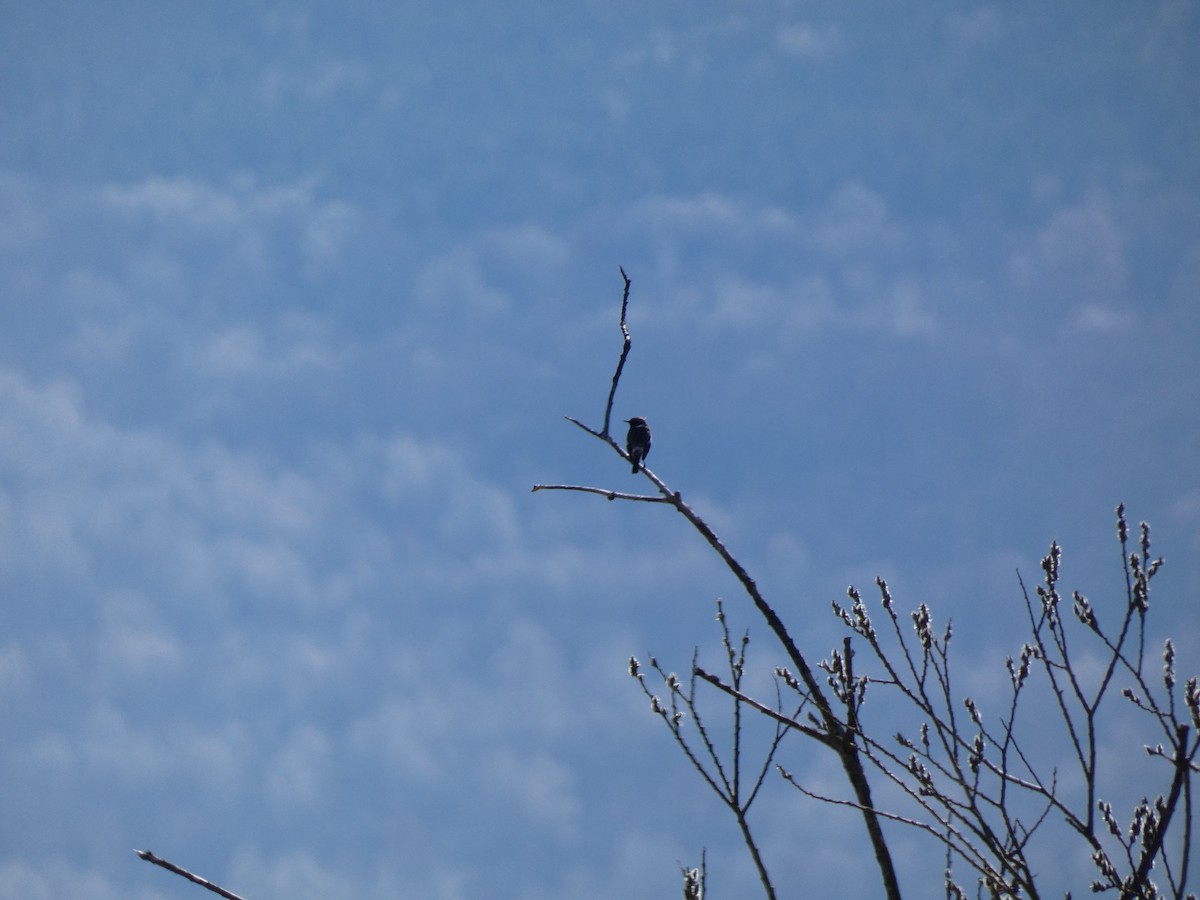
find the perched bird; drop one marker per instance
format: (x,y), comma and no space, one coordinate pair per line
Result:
(637,442)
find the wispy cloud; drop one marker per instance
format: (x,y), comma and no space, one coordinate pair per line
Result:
(322,83)
(249,217)
(981,25)
(808,41)
(292,345)
(1075,258)
(841,264)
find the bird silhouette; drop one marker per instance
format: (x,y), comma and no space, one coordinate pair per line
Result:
(637,442)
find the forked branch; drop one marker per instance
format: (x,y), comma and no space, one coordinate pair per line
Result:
(836,734)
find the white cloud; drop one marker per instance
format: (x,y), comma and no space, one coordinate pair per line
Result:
(1076,259)
(444,720)
(319,83)
(454,283)
(183,200)
(27,213)
(843,264)
(1097,318)
(54,877)
(249,216)
(525,251)
(410,734)
(540,786)
(238,348)
(117,748)
(52,752)
(106,327)
(856,220)
(411,463)
(803,307)
(14,669)
(326,232)
(205,518)
(296,772)
(432,481)
(298,875)
(904,311)
(335,77)
(106,745)
(133,639)
(982,25)
(289,346)
(712,212)
(809,41)
(407,871)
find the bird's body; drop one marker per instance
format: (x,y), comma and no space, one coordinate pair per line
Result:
(637,442)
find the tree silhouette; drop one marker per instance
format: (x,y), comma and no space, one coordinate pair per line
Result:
(985,787)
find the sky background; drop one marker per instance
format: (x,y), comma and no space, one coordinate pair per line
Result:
(294,298)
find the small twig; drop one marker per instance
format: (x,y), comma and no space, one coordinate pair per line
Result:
(785,721)
(171,867)
(604,492)
(603,435)
(628,342)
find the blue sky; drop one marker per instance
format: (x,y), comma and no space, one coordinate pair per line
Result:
(294,297)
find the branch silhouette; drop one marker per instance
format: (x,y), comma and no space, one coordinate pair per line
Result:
(836,735)
(195,879)
(974,784)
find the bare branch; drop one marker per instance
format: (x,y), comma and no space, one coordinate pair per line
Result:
(625,346)
(786,721)
(171,867)
(974,782)
(608,493)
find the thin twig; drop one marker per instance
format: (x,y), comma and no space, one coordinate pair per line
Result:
(171,867)
(778,717)
(608,493)
(626,344)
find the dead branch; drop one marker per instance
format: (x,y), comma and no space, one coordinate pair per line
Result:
(838,736)
(625,347)
(196,879)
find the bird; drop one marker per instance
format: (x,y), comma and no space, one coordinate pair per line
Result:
(637,442)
